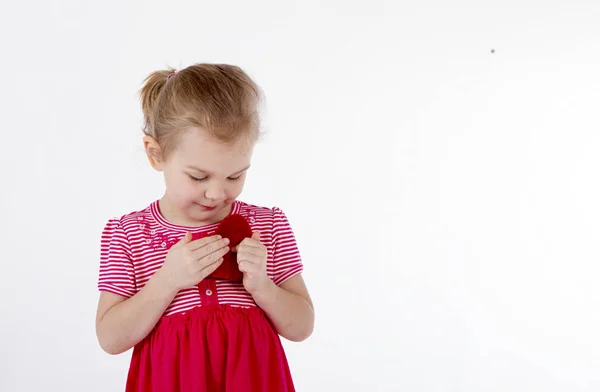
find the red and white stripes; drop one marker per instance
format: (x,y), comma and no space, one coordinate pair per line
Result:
(134,247)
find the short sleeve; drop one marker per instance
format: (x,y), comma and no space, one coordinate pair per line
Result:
(116,266)
(286,255)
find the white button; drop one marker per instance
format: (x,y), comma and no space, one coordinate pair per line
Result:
(208,292)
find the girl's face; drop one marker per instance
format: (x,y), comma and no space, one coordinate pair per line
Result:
(203,178)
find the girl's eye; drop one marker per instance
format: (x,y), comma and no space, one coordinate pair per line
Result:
(205,178)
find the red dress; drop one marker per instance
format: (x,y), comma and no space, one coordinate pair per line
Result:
(212,337)
(211,349)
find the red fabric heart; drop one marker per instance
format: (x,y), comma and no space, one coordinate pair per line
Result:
(234,227)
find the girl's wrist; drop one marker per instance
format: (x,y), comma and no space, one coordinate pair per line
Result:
(164,282)
(266,293)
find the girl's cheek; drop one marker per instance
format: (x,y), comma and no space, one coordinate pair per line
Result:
(232,194)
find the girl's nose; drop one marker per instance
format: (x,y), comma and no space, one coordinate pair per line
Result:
(215,193)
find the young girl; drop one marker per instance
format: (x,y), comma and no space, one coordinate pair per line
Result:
(190,331)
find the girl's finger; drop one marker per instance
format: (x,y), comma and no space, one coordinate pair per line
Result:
(184,241)
(209,269)
(251,257)
(211,247)
(246,267)
(202,242)
(244,257)
(253,242)
(256,236)
(213,257)
(256,252)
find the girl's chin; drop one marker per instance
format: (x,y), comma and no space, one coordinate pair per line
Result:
(202,212)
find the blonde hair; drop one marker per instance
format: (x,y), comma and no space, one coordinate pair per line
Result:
(221,99)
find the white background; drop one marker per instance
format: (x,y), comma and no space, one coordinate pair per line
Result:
(438,162)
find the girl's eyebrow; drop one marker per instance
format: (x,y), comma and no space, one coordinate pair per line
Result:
(208,172)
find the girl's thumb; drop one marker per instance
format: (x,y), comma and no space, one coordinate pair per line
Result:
(186,239)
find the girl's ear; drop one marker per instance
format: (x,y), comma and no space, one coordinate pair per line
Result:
(153,152)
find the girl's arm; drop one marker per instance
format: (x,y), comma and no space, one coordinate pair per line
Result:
(123,322)
(289,307)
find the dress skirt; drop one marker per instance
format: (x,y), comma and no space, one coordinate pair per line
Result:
(211,349)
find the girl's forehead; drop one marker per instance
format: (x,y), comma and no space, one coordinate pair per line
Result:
(199,149)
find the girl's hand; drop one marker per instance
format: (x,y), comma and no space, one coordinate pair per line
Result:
(252,262)
(188,262)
